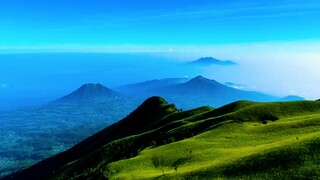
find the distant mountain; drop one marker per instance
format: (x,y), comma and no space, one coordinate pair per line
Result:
(150,85)
(202,85)
(201,91)
(292,98)
(159,141)
(189,94)
(88,92)
(66,122)
(198,91)
(206,61)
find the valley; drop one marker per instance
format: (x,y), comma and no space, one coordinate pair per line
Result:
(30,136)
(159,90)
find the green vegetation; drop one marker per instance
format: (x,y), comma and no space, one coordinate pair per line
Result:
(29,136)
(283,149)
(242,140)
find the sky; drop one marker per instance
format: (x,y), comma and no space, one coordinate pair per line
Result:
(276,43)
(144,25)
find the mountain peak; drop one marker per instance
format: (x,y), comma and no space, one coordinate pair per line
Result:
(149,106)
(87,92)
(93,87)
(202,84)
(153,102)
(144,115)
(201,79)
(212,61)
(207,59)
(292,98)
(92,90)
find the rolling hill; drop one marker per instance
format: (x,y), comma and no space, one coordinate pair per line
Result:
(242,140)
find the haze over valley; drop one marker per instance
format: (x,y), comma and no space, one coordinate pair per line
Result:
(170,89)
(36,79)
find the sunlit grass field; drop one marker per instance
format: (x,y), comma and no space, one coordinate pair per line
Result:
(284,149)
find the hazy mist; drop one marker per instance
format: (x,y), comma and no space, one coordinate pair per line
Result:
(38,78)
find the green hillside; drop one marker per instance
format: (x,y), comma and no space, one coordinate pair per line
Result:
(242,140)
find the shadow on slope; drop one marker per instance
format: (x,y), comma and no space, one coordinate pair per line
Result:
(154,123)
(140,120)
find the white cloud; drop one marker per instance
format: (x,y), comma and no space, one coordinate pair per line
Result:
(271,67)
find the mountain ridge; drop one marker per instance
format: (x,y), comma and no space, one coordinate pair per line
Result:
(138,121)
(203,91)
(145,86)
(155,124)
(200,90)
(205,61)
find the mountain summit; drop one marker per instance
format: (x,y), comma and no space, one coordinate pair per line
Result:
(88,92)
(202,91)
(205,61)
(200,81)
(292,98)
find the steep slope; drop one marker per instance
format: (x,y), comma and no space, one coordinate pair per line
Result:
(157,141)
(88,92)
(142,119)
(25,132)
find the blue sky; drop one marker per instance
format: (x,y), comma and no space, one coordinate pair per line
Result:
(137,25)
(276,43)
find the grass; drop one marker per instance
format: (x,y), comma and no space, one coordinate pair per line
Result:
(286,148)
(242,140)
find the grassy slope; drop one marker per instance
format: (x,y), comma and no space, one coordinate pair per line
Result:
(287,148)
(140,120)
(240,140)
